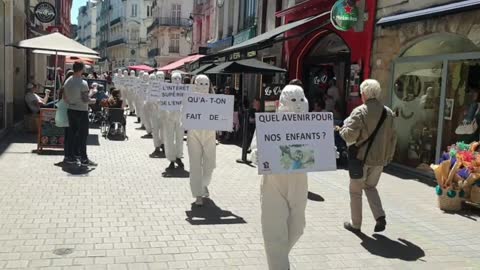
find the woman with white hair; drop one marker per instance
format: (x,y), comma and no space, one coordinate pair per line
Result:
(369,128)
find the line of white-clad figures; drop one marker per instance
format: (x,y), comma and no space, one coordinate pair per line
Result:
(166,129)
(283,197)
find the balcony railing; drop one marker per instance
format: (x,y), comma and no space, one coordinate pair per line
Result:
(117,20)
(168,21)
(153,52)
(174,49)
(116,42)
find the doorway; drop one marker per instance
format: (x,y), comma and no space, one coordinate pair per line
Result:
(326,72)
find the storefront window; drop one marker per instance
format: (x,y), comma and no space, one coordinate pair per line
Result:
(416,101)
(461,100)
(434,72)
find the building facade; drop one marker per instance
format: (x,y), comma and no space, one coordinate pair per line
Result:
(168,33)
(122,32)
(87,25)
(430,67)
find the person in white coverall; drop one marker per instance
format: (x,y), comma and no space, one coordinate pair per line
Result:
(158,118)
(147,106)
(139,100)
(201,151)
(131,91)
(283,196)
(123,90)
(173,132)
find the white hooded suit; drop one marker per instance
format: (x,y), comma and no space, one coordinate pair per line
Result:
(201,149)
(173,131)
(131,92)
(148,106)
(158,117)
(283,196)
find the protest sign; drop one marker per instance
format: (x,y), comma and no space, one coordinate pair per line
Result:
(208,112)
(169,95)
(295,142)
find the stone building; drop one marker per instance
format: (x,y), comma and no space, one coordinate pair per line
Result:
(87,24)
(167,32)
(426,54)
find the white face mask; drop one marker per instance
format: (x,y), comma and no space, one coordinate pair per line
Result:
(292,99)
(202,84)
(160,76)
(176,78)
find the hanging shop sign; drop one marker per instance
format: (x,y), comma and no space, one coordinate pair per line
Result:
(242,55)
(344,15)
(219,45)
(45,12)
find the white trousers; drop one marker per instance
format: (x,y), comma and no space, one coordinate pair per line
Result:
(202,157)
(131,101)
(158,119)
(139,107)
(147,116)
(283,202)
(173,134)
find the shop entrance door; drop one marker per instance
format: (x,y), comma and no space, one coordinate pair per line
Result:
(323,73)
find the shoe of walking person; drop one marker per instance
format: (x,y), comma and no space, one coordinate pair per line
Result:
(381,224)
(349,227)
(88,162)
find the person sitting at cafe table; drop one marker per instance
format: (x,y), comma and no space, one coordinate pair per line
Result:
(34,101)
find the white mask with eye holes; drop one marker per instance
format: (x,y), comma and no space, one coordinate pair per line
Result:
(160,76)
(152,77)
(292,99)
(132,73)
(145,76)
(125,73)
(176,78)
(202,84)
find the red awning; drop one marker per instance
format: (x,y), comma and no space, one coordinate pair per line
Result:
(141,67)
(73,59)
(178,64)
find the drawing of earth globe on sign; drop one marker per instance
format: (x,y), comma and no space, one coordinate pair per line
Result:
(344,15)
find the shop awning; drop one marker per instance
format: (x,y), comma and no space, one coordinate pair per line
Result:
(245,66)
(141,67)
(202,69)
(271,35)
(54,43)
(466,5)
(180,63)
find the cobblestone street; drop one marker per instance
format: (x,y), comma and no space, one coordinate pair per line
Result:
(125,215)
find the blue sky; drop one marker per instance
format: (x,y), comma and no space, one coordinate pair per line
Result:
(76,5)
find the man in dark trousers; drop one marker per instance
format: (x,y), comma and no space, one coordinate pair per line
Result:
(78,96)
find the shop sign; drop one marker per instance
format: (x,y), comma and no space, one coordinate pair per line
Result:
(244,36)
(344,15)
(45,12)
(272,91)
(242,55)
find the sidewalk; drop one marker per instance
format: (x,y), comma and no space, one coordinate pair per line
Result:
(125,215)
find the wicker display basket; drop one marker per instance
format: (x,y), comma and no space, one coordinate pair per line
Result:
(475,194)
(449,200)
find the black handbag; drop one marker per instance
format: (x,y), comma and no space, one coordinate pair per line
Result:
(355,165)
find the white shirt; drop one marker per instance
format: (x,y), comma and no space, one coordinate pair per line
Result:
(30,98)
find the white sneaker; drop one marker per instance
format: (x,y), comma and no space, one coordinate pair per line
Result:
(199,201)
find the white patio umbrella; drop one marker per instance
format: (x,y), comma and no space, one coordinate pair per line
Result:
(55,44)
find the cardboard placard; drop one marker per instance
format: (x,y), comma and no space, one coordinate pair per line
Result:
(168,95)
(295,142)
(208,112)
